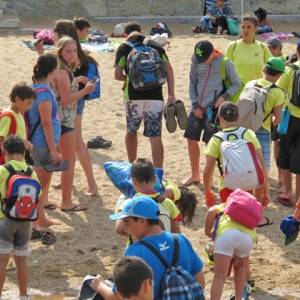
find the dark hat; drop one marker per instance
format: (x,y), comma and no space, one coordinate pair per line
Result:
(203,50)
(290,227)
(273,42)
(229,111)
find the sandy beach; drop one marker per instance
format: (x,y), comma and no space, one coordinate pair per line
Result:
(86,242)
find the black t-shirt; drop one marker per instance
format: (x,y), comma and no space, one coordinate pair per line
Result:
(121,60)
(81,71)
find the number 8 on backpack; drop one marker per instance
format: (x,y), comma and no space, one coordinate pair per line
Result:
(20,202)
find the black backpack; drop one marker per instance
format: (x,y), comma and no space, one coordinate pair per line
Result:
(295,99)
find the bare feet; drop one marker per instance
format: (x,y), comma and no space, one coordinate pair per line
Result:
(46,223)
(92,191)
(191,180)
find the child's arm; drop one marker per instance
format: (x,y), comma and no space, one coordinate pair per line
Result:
(210,220)
(208,175)
(277,114)
(99,285)
(201,279)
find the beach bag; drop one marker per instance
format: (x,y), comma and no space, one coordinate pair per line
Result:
(233,26)
(283,126)
(226,80)
(93,73)
(120,175)
(46,35)
(146,69)
(243,208)
(22,193)
(161,28)
(251,105)
(11,132)
(176,283)
(98,37)
(240,165)
(295,99)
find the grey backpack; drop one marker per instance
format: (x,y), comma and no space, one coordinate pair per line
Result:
(295,99)
(251,105)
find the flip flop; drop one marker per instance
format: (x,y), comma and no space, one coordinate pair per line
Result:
(268,222)
(50,206)
(181,114)
(286,201)
(75,208)
(169,113)
(191,182)
(48,238)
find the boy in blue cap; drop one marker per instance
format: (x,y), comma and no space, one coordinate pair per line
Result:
(141,215)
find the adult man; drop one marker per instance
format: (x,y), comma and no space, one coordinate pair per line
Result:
(141,215)
(144,105)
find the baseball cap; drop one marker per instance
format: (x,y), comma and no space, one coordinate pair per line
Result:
(276,64)
(290,228)
(229,111)
(140,207)
(273,42)
(203,50)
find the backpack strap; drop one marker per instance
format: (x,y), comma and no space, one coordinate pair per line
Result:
(13,121)
(13,172)
(130,44)
(176,249)
(155,252)
(293,66)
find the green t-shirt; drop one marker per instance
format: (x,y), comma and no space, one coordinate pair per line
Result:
(248,59)
(285,82)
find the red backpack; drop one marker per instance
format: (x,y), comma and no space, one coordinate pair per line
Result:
(12,130)
(22,194)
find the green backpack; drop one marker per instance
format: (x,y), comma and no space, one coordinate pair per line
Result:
(233,26)
(226,81)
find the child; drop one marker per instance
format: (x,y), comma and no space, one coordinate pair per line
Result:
(14,235)
(11,120)
(83,28)
(264,24)
(143,179)
(217,18)
(232,240)
(228,115)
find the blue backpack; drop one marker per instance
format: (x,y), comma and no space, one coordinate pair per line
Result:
(146,69)
(120,175)
(93,73)
(176,283)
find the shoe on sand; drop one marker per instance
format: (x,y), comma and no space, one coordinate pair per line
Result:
(169,113)
(181,114)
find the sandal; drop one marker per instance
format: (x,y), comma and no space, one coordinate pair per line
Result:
(181,114)
(266,223)
(284,200)
(48,238)
(74,208)
(50,206)
(35,234)
(98,143)
(169,113)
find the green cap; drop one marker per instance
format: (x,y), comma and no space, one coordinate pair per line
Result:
(276,64)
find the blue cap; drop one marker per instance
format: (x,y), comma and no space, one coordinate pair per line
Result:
(290,227)
(140,207)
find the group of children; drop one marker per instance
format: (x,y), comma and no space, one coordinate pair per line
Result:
(151,219)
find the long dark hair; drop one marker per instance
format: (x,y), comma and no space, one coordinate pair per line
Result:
(45,64)
(68,28)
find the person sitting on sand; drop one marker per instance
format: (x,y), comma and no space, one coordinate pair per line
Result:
(264,23)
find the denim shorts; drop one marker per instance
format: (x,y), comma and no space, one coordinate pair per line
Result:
(41,156)
(65,129)
(264,138)
(80,107)
(195,128)
(15,237)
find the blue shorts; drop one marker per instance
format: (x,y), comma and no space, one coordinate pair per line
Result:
(196,126)
(65,129)
(80,107)
(264,138)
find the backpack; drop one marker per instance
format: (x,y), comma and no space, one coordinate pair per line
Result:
(243,208)
(21,199)
(146,69)
(226,80)
(161,28)
(93,72)
(12,130)
(176,283)
(295,99)
(251,105)
(240,166)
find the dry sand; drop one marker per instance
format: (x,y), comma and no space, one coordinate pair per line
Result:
(86,241)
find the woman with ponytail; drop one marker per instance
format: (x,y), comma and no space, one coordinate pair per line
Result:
(44,125)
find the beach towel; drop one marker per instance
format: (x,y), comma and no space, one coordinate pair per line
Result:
(282,36)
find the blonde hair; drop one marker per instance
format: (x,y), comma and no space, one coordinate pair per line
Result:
(60,45)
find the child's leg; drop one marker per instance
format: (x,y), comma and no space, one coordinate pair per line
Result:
(4,258)
(222,263)
(22,274)
(240,268)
